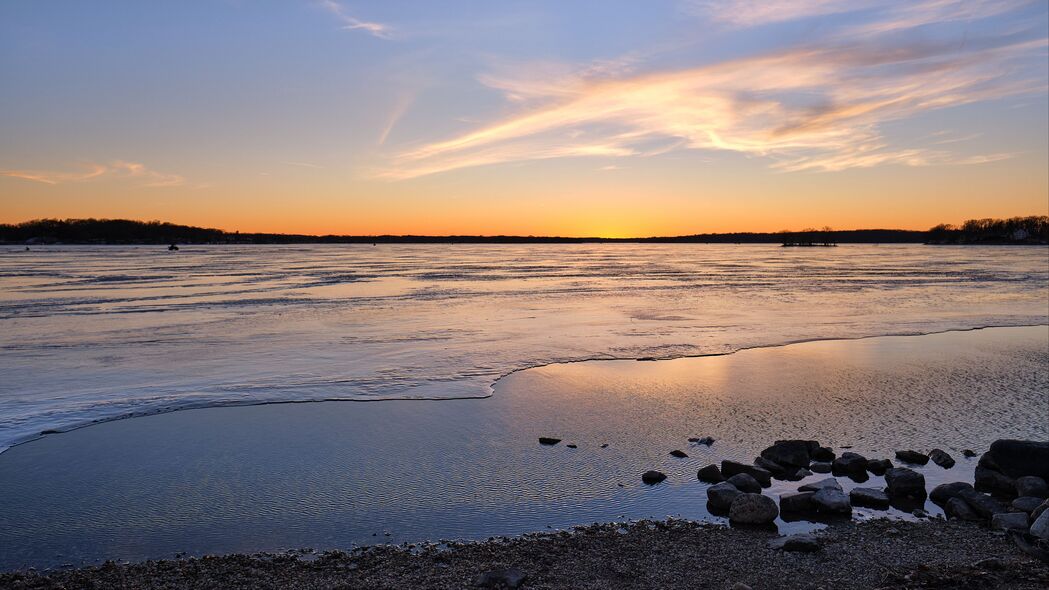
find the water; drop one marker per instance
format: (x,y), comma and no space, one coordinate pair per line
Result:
(90,334)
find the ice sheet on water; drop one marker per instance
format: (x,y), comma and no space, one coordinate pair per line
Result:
(97,333)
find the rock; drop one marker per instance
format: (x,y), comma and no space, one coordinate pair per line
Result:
(850,463)
(945,491)
(968,453)
(912,457)
(1040,527)
(800,474)
(778,471)
(543,440)
(832,501)
(1027,504)
(1038,511)
(706,440)
(1032,485)
(501,578)
(869,498)
(1009,520)
(958,508)
(572,446)
(992,564)
(816,486)
(678,453)
(1016,458)
(821,467)
(789,452)
(753,509)
(941,458)
(990,480)
(604,445)
(797,503)
(745,483)
(919,513)
(879,466)
(652,477)
(720,496)
(824,454)
(804,543)
(904,483)
(730,468)
(982,504)
(710,474)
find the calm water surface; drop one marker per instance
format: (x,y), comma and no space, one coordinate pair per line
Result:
(96,333)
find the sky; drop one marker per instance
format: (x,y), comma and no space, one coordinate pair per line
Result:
(566,117)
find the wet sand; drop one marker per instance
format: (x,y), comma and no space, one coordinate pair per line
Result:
(337,474)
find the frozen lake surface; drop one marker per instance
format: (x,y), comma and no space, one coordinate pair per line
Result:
(91,334)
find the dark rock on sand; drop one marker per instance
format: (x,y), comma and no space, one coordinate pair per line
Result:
(710,474)
(941,458)
(982,504)
(803,543)
(678,453)
(720,496)
(745,483)
(652,477)
(832,501)
(912,457)
(1016,458)
(959,509)
(869,498)
(823,454)
(706,440)
(797,503)
(501,578)
(816,486)
(730,468)
(753,509)
(879,466)
(968,453)
(988,479)
(821,467)
(904,483)
(1027,504)
(790,452)
(850,463)
(1032,485)
(1009,521)
(544,440)
(572,446)
(945,491)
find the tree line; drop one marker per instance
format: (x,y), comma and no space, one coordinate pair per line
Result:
(1033,229)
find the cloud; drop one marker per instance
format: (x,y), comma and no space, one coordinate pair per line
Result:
(118,170)
(351,23)
(822,106)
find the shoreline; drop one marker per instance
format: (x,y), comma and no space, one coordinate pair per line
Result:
(879,553)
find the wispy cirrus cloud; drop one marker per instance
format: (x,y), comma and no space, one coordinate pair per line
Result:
(116,170)
(822,106)
(352,23)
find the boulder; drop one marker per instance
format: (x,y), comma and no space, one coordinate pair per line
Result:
(816,486)
(1038,511)
(945,491)
(832,501)
(745,483)
(545,440)
(710,474)
(1027,504)
(912,457)
(869,498)
(823,454)
(721,495)
(941,458)
(988,479)
(790,452)
(1009,521)
(904,483)
(800,474)
(804,543)
(1017,458)
(653,477)
(678,453)
(821,467)
(753,509)
(500,578)
(1032,485)
(850,463)
(958,508)
(1040,527)
(730,468)
(797,503)
(778,471)
(879,466)
(982,504)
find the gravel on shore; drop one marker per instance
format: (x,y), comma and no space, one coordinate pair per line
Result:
(664,554)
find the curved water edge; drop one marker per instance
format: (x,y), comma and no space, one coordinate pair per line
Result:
(491,387)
